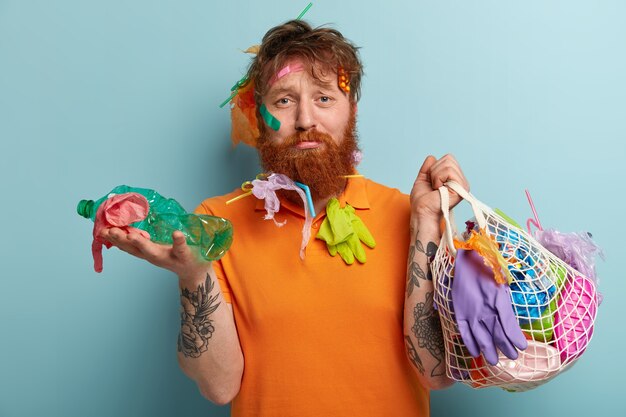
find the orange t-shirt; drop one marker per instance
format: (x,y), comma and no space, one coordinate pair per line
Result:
(319,337)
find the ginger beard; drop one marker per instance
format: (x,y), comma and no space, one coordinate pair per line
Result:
(322,168)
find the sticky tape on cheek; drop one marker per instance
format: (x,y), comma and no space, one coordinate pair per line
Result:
(271,121)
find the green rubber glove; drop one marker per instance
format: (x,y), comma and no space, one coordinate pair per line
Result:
(343,231)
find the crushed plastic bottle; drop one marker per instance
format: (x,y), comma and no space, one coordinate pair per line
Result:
(212,236)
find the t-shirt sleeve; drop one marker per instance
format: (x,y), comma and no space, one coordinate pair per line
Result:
(203,208)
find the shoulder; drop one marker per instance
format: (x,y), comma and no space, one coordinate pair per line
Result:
(219,206)
(381,194)
(387,207)
(388,218)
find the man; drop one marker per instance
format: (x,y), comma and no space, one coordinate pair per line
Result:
(283,335)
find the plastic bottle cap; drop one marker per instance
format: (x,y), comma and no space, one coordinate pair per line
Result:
(85,208)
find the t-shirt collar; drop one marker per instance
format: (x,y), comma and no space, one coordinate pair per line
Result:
(355,194)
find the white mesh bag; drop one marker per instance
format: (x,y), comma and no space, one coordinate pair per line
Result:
(554,304)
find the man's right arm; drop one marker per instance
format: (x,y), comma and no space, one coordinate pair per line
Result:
(209,349)
(208,344)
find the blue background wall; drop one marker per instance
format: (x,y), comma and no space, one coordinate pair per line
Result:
(99,93)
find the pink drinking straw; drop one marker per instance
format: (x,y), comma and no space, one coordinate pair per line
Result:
(534,221)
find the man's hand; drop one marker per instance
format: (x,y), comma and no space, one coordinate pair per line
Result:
(425,200)
(178,258)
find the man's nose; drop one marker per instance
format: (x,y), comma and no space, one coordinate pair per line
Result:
(305,118)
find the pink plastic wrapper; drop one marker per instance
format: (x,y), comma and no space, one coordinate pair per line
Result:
(121,210)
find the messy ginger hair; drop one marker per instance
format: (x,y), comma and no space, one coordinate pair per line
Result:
(323,51)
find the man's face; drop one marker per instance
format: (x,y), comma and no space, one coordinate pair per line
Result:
(303,103)
(316,140)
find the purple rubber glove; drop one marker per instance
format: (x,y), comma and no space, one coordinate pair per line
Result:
(483,310)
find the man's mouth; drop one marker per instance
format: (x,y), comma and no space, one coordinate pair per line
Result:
(308,145)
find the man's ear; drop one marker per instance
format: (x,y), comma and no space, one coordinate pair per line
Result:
(355,107)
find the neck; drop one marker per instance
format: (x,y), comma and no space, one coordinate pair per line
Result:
(320,204)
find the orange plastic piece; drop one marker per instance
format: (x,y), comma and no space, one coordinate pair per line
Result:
(487,247)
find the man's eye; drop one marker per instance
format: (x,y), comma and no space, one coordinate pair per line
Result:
(325,99)
(283,101)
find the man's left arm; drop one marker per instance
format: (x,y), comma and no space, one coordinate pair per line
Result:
(423,336)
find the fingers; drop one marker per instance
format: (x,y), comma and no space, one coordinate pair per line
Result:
(468,338)
(500,339)
(147,249)
(180,249)
(345,253)
(332,249)
(485,342)
(509,322)
(178,257)
(447,169)
(422,184)
(122,241)
(363,233)
(439,171)
(354,244)
(485,336)
(426,166)
(137,245)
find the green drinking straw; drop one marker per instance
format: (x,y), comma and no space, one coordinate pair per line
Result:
(245,78)
(306,9)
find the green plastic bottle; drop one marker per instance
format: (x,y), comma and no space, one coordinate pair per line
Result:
(211,235)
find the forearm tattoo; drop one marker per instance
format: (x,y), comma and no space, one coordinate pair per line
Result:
(196,327)
(414,270)
(426,326)
(427,331)
(415,359)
